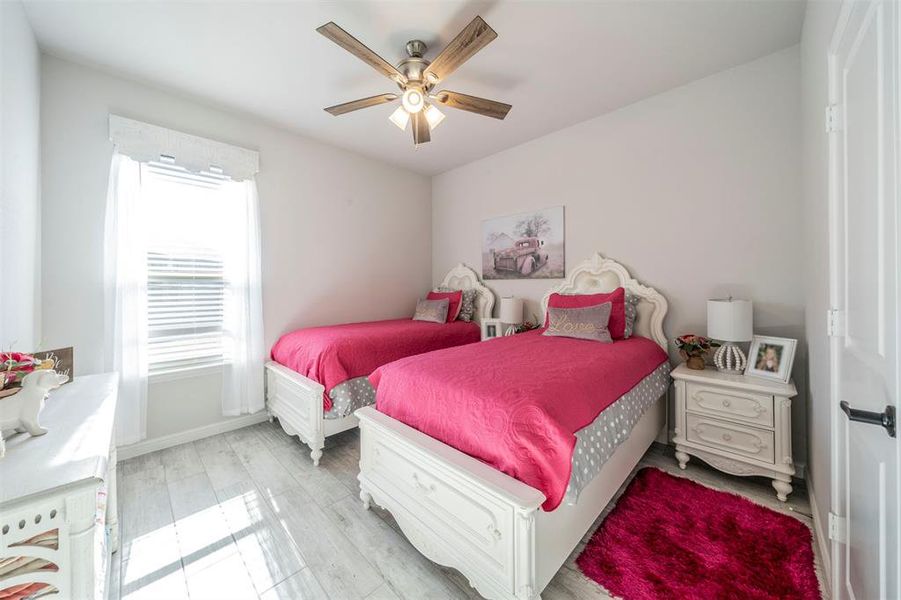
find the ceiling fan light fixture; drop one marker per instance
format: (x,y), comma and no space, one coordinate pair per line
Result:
(400,117)
(433,116)
(416,77)
(413,100)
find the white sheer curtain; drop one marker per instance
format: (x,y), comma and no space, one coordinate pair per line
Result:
(242,388)
(125,286)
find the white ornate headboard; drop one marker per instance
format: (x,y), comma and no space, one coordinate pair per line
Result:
(598,275)
(462,277)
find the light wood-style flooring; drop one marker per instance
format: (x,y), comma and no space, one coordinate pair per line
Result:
(246,515)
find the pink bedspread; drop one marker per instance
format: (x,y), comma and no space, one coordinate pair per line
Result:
(515,402)
(335,353)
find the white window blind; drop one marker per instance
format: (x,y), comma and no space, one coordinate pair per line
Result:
(186,270)
(185,308)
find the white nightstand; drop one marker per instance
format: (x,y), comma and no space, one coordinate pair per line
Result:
(740,425)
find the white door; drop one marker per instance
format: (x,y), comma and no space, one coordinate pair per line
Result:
(864,117)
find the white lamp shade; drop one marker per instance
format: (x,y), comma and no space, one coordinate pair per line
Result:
(511,310)
(730,320)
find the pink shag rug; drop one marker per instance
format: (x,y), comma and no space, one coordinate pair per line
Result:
(669,537)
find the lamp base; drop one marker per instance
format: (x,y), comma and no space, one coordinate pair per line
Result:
(730,359)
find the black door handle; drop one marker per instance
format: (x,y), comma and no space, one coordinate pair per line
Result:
(884,419)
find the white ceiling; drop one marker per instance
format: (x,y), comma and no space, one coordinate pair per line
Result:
(557,62)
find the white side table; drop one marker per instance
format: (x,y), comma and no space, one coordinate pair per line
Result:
(740,425)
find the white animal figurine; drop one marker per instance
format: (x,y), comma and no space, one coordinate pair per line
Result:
(21,411)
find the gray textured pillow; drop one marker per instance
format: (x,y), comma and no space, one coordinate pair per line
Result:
(588,323)
(467,304)
(434,311)
(631,314)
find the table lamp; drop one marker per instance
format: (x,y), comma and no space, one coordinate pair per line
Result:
(730,321)
(511,313)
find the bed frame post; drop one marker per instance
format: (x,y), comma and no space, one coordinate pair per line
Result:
(297,402)
(526,569)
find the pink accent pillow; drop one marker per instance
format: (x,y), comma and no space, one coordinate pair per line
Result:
(455,301)
(617,323)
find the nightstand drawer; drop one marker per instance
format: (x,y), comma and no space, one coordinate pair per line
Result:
(749,407)
(731,437)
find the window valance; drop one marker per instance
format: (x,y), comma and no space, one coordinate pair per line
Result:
(144,142)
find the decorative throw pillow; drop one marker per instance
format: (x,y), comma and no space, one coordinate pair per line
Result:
(455,299)
(585,323)
(434,311)
(631,314)
(468,305)
(617,298)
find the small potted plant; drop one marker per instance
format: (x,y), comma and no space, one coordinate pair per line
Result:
(526,325)
(693,348)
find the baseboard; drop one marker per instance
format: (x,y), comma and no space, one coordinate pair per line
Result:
(190,435)
(819,533)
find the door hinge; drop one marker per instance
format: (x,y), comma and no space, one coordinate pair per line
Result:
(835,323)
(838,528)
(833,118)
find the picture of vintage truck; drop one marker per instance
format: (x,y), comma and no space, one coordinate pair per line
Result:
(525,257)
(524,246)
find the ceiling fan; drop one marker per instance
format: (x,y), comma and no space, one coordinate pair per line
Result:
(417,78)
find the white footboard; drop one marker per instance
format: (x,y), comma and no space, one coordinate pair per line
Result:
(297,402)
(456,510)
(462,513)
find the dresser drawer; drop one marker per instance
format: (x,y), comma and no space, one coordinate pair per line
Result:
(731,437)
(756,409)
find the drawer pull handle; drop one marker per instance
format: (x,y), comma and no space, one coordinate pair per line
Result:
(494,531)
(426,489)
(726,404)
(727,437)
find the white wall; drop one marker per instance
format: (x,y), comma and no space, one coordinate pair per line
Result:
(20,194)
(344,237)
(696,191)
(819,22)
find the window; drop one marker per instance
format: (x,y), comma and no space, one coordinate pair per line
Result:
(182,284)
(187,226)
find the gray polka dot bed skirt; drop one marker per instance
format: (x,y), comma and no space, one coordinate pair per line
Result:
(350,395)
(596,443)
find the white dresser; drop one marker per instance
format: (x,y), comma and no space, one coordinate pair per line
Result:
(740,425)
(58,494)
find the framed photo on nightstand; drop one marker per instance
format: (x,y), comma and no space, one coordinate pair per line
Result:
(771,358)
(491,328)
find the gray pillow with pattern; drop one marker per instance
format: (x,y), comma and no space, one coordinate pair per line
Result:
(434,311)
(631,314)
(587,323)
(467,304)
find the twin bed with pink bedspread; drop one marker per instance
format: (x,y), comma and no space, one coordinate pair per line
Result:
(336,354)
(318,376)
(518,402)
(495,458)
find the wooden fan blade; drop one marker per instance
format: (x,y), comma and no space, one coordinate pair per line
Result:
(481,106)
(421,133)
(473,38)
(358,49)
(340,109)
